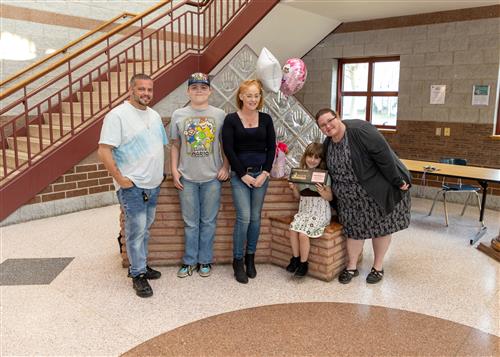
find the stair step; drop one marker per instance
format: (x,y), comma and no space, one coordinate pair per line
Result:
(77,108)
(22,144)
(105,89)
(138,67)
(56,133)
(65,118)
(85,97)
(10,156)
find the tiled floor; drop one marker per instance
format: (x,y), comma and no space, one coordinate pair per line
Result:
(90,308)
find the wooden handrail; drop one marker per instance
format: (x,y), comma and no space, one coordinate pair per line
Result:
(24,83)
(65,48)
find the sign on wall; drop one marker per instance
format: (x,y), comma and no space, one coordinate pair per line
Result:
(438,93)
(480,94)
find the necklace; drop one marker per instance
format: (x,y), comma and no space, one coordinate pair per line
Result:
(249,121)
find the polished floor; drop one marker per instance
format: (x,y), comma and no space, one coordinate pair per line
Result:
(434,282)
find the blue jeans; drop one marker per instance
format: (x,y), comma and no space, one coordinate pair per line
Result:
(139,216)
(248,203)
(200,203)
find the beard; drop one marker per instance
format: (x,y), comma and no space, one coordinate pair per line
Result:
(144,100)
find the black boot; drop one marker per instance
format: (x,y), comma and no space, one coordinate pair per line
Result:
(294,264)
(250,264)
(239,271)
(302,270)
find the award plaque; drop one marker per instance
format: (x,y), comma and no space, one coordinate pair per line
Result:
(308,176)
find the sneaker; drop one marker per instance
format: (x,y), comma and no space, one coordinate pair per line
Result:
(205,270)
(186,270)
(302,270)
(141,286)
(346,276)
(150,274)
(294,264)
(375,276)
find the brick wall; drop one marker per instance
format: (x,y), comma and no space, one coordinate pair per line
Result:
(81,180)
(417,140)
(86,178)
(166,246)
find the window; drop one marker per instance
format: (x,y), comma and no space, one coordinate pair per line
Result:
(368,89)
(497,131)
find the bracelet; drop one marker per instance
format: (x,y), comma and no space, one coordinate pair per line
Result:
(266,173)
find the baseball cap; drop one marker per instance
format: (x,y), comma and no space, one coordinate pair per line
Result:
(199,77)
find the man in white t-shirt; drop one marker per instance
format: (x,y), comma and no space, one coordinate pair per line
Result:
(132,149)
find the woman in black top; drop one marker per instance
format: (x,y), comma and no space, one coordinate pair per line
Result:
(249,143)
(371,186)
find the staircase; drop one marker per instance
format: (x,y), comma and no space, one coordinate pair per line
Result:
(57,123)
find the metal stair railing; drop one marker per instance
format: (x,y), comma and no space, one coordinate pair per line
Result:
(87,84)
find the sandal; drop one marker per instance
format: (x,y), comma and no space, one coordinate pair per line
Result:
(375,276)
(347,275)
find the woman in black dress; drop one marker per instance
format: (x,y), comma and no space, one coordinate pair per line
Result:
(371,186)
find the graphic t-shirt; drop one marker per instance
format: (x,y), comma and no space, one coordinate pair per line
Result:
(138,138)
(199,132)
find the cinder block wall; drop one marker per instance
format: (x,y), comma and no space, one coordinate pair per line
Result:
(457,54)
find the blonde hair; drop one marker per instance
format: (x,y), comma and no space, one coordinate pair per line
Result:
(313,149)
(244,86)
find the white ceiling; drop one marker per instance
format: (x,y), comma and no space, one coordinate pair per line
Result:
(352,10)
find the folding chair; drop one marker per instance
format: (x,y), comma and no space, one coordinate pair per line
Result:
(456,188)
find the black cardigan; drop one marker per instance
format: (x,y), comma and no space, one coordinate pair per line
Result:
(377,168)
(235,139)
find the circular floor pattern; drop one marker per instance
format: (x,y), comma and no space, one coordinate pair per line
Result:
(320,329)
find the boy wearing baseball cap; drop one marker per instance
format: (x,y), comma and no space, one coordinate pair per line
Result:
(198,169)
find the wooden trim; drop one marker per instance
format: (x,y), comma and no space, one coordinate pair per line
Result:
(475,13)
(116,30)
(497,127)
(47,17)
(22,187)
(68,46)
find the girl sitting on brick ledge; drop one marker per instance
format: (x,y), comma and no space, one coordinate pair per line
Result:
(314,211)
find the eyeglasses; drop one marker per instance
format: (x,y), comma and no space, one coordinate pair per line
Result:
(328,121)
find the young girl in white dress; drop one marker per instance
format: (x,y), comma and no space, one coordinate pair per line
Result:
(314,211)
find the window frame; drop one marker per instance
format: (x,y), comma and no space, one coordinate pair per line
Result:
(369,94)
(497,126)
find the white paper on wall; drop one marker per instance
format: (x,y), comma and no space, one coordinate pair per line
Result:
(438,93)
